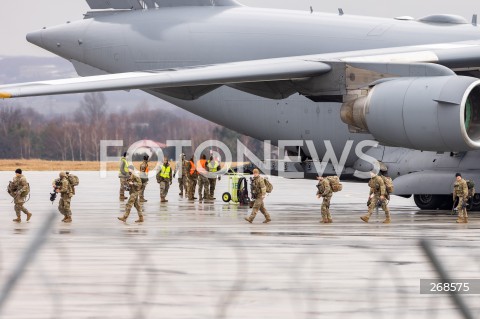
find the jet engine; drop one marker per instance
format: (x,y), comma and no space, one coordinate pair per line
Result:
(439,113)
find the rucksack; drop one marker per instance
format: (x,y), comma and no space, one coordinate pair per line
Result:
(471,187)
(268,185)
(73,180)
(335,184)
(388,184)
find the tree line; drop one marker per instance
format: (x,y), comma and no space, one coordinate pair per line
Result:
(27,134)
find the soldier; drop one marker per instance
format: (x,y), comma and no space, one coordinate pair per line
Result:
(192,176)
(66,193)
(164,178)
(203,182)
(144,177)
(460,190)
(325,191)
(123,175)
(259,191)
(378,195)
(181,166)
(19,189)
(135,185)
(213,167)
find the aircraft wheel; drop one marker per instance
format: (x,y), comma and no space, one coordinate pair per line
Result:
(427,201)
(226,197)
(476,202)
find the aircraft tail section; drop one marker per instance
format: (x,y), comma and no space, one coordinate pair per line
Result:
(152,4)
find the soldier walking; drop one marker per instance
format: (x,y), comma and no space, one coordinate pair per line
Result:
(213,168)
(66,192)
(378,195)
(192,176)
(144,177)
(181,167)
(135,185)
(259,192)
(19,189)
(164,178)
(123,175)
(324,190)
(460,190)
(203,182)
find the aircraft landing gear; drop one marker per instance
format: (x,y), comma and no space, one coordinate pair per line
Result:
(432,202)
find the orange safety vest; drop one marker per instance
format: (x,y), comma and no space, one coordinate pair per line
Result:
(202,164)
(192,168)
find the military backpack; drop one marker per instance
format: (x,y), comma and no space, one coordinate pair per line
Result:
(73,180)
(388,184)
(471,187)
(335,184)
(268,185)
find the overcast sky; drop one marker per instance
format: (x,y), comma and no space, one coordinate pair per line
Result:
(17,20)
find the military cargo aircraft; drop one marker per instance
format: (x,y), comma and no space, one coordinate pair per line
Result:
(410,84)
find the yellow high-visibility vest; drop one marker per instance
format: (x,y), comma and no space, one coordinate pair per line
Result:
(213,166)
(125,166)
(165,172)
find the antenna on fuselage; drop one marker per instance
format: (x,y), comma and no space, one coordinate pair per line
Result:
(474,20)
(340,11)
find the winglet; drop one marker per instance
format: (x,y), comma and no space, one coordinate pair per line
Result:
(5,95)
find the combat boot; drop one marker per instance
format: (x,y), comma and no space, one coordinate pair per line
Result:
(68,220)
(29,215)
(267,220)
(324,220)
(143,200)
(330,220)
(460,220)
(17,220)
(249,219)
(139,220)
(163,200)
(123,219)
(387,220)
(365,218)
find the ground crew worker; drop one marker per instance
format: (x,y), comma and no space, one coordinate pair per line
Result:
(135,185)
(378,195)
(460,190)
(19,189)
(325,191)
(123,175)
(66,193)
(144,177)
(259,192)
(181,166)
(192,176)
(213,168)
(164,178)
(203,182)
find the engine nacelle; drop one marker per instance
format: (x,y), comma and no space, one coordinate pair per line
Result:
(427,113)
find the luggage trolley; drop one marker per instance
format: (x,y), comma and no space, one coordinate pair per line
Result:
(237,189)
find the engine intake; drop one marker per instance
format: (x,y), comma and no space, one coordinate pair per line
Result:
(429,113)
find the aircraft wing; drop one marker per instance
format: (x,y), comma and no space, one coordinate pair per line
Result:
(315,75)
(210,75)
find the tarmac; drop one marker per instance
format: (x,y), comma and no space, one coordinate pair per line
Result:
(202,260)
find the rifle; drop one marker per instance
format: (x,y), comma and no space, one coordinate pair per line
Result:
(57,184)
(454,205)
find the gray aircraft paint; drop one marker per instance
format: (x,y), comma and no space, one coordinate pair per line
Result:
(192,36)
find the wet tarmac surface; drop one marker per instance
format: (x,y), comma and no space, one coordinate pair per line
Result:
(202,260)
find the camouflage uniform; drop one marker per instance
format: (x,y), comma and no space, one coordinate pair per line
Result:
(203,182)
(66,193)
(123,176)
(144,178)
(20,184)
(325,191)
(460,190)
(182,178)
(135,184)
(378,189)
(191,180)
(213,167)
(259,191)
(164,178)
